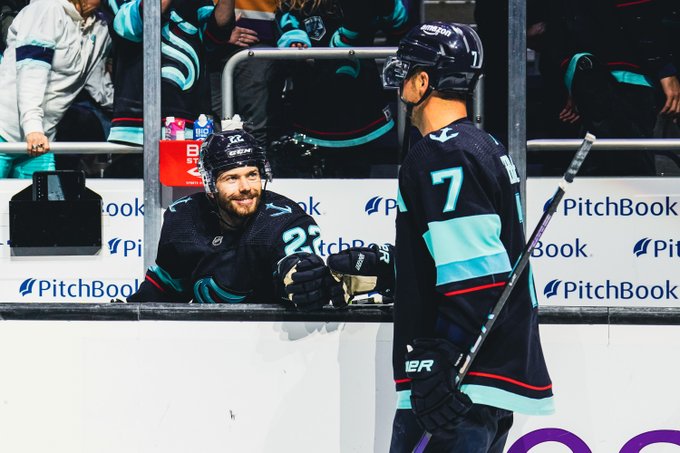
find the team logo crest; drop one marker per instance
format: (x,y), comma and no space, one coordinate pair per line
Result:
(315,28)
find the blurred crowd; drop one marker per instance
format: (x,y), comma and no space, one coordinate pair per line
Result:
(72,70)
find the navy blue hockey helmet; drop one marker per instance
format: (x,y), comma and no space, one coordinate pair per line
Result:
(450,53)
(225,150)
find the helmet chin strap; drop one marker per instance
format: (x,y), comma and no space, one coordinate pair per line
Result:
(407,127)
(410,105)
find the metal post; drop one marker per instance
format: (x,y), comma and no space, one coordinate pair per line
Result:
(517,70)
(152,128)
(478,103)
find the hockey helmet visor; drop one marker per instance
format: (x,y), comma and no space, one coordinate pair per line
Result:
(395,72)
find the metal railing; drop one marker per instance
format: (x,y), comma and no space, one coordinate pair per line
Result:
(275,53)
(606,144)
(75,148)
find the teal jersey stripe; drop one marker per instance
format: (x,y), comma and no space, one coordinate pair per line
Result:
(226,295)
(467,247)
(351,142)
(518,201)
(202,293)
(401,206)
(632,78)
(491,396)
(167,279)
(473,268)
(126,134)
(464,238)
(532,289)
(404,399)
(185,26)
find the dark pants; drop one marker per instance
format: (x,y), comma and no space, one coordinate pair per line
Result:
(258,85)
(484,430)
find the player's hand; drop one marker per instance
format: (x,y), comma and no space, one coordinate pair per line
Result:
(432,365)
(307,281)
(364,269)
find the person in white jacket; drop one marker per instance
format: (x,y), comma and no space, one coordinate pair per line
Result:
(52,48)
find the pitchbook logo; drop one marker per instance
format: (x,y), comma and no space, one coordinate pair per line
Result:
(376,204)
(551,288)
(76,289)
(657,248)
(125,247)
(26,286)
(610,290)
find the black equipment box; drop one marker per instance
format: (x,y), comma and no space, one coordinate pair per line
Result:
(56,215)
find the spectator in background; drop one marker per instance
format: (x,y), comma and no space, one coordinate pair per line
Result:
(668,126)
(611,54)
(338,106)
(52,48)
(189,30)
(88,119)
(258,82)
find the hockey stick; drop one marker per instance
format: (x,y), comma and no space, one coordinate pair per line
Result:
(521,264)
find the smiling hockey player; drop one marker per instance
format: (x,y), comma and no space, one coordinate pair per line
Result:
(238,242)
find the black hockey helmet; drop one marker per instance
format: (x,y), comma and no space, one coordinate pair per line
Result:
(225,150)
(450,53)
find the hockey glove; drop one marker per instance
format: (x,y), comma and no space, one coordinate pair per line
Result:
(432,365)
(364,269)
(307,281)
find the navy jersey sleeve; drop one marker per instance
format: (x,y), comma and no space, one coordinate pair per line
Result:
(169,280)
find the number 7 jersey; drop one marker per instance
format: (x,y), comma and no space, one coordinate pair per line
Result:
(459,233)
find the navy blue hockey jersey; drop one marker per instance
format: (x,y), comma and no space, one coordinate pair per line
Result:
(459,232)
(199,261)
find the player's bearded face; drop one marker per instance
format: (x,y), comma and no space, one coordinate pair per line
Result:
(239,191)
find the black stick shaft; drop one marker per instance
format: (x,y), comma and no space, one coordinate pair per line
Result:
(521,264)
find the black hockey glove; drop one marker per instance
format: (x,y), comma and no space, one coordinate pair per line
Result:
(307,281)
(432,365)
(364,269)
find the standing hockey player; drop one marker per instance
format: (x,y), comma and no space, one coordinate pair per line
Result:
(459,232)
(237,242)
